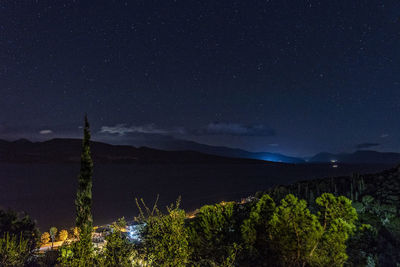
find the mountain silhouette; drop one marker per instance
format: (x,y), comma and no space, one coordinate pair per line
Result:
(69,150)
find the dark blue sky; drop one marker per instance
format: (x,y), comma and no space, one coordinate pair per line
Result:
(296,77)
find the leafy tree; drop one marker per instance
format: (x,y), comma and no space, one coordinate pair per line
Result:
(83,201)
(294,231)
(212,233)
(63,235)
(53,233)
(164,237)
(255,232)
(337,218)
(45,238)
(301,238)
(14,251)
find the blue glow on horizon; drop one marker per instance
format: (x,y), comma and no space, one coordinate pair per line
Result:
(273,159)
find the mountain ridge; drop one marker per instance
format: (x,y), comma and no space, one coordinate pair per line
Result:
(178,144)
(67,149)
(181,151)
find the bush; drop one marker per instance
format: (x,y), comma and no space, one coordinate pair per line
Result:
(213,234)
(14,251)
(76,254)
(164,236)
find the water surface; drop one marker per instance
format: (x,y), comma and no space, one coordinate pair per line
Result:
(47,191)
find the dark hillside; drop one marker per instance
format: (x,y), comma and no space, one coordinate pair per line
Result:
(68,151)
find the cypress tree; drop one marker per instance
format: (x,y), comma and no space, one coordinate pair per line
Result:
(83,201)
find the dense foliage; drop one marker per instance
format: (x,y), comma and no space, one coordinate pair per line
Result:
(164,238)
(255,232)
(258,233)
(213,234)
(14,251)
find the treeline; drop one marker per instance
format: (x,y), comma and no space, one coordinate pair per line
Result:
(259,233)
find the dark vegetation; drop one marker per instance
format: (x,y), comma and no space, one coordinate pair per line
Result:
(18,239)
(352,221)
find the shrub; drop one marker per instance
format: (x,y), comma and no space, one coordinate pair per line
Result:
(14,251)
(164,237)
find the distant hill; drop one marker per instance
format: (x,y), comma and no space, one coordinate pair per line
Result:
(173,144)
(358,157)
(68,150)
(178,151)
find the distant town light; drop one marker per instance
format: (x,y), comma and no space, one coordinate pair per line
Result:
(133,233)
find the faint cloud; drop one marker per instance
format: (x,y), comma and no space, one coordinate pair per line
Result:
(384,135)
(273,144)
(123,129)
(46,131)
(235,129)
(215,128)
(367,145)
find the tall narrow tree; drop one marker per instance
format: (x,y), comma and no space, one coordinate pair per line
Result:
(83,200)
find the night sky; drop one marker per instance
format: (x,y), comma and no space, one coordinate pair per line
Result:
(296,77)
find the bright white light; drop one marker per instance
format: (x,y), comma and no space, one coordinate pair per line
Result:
(134,234)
